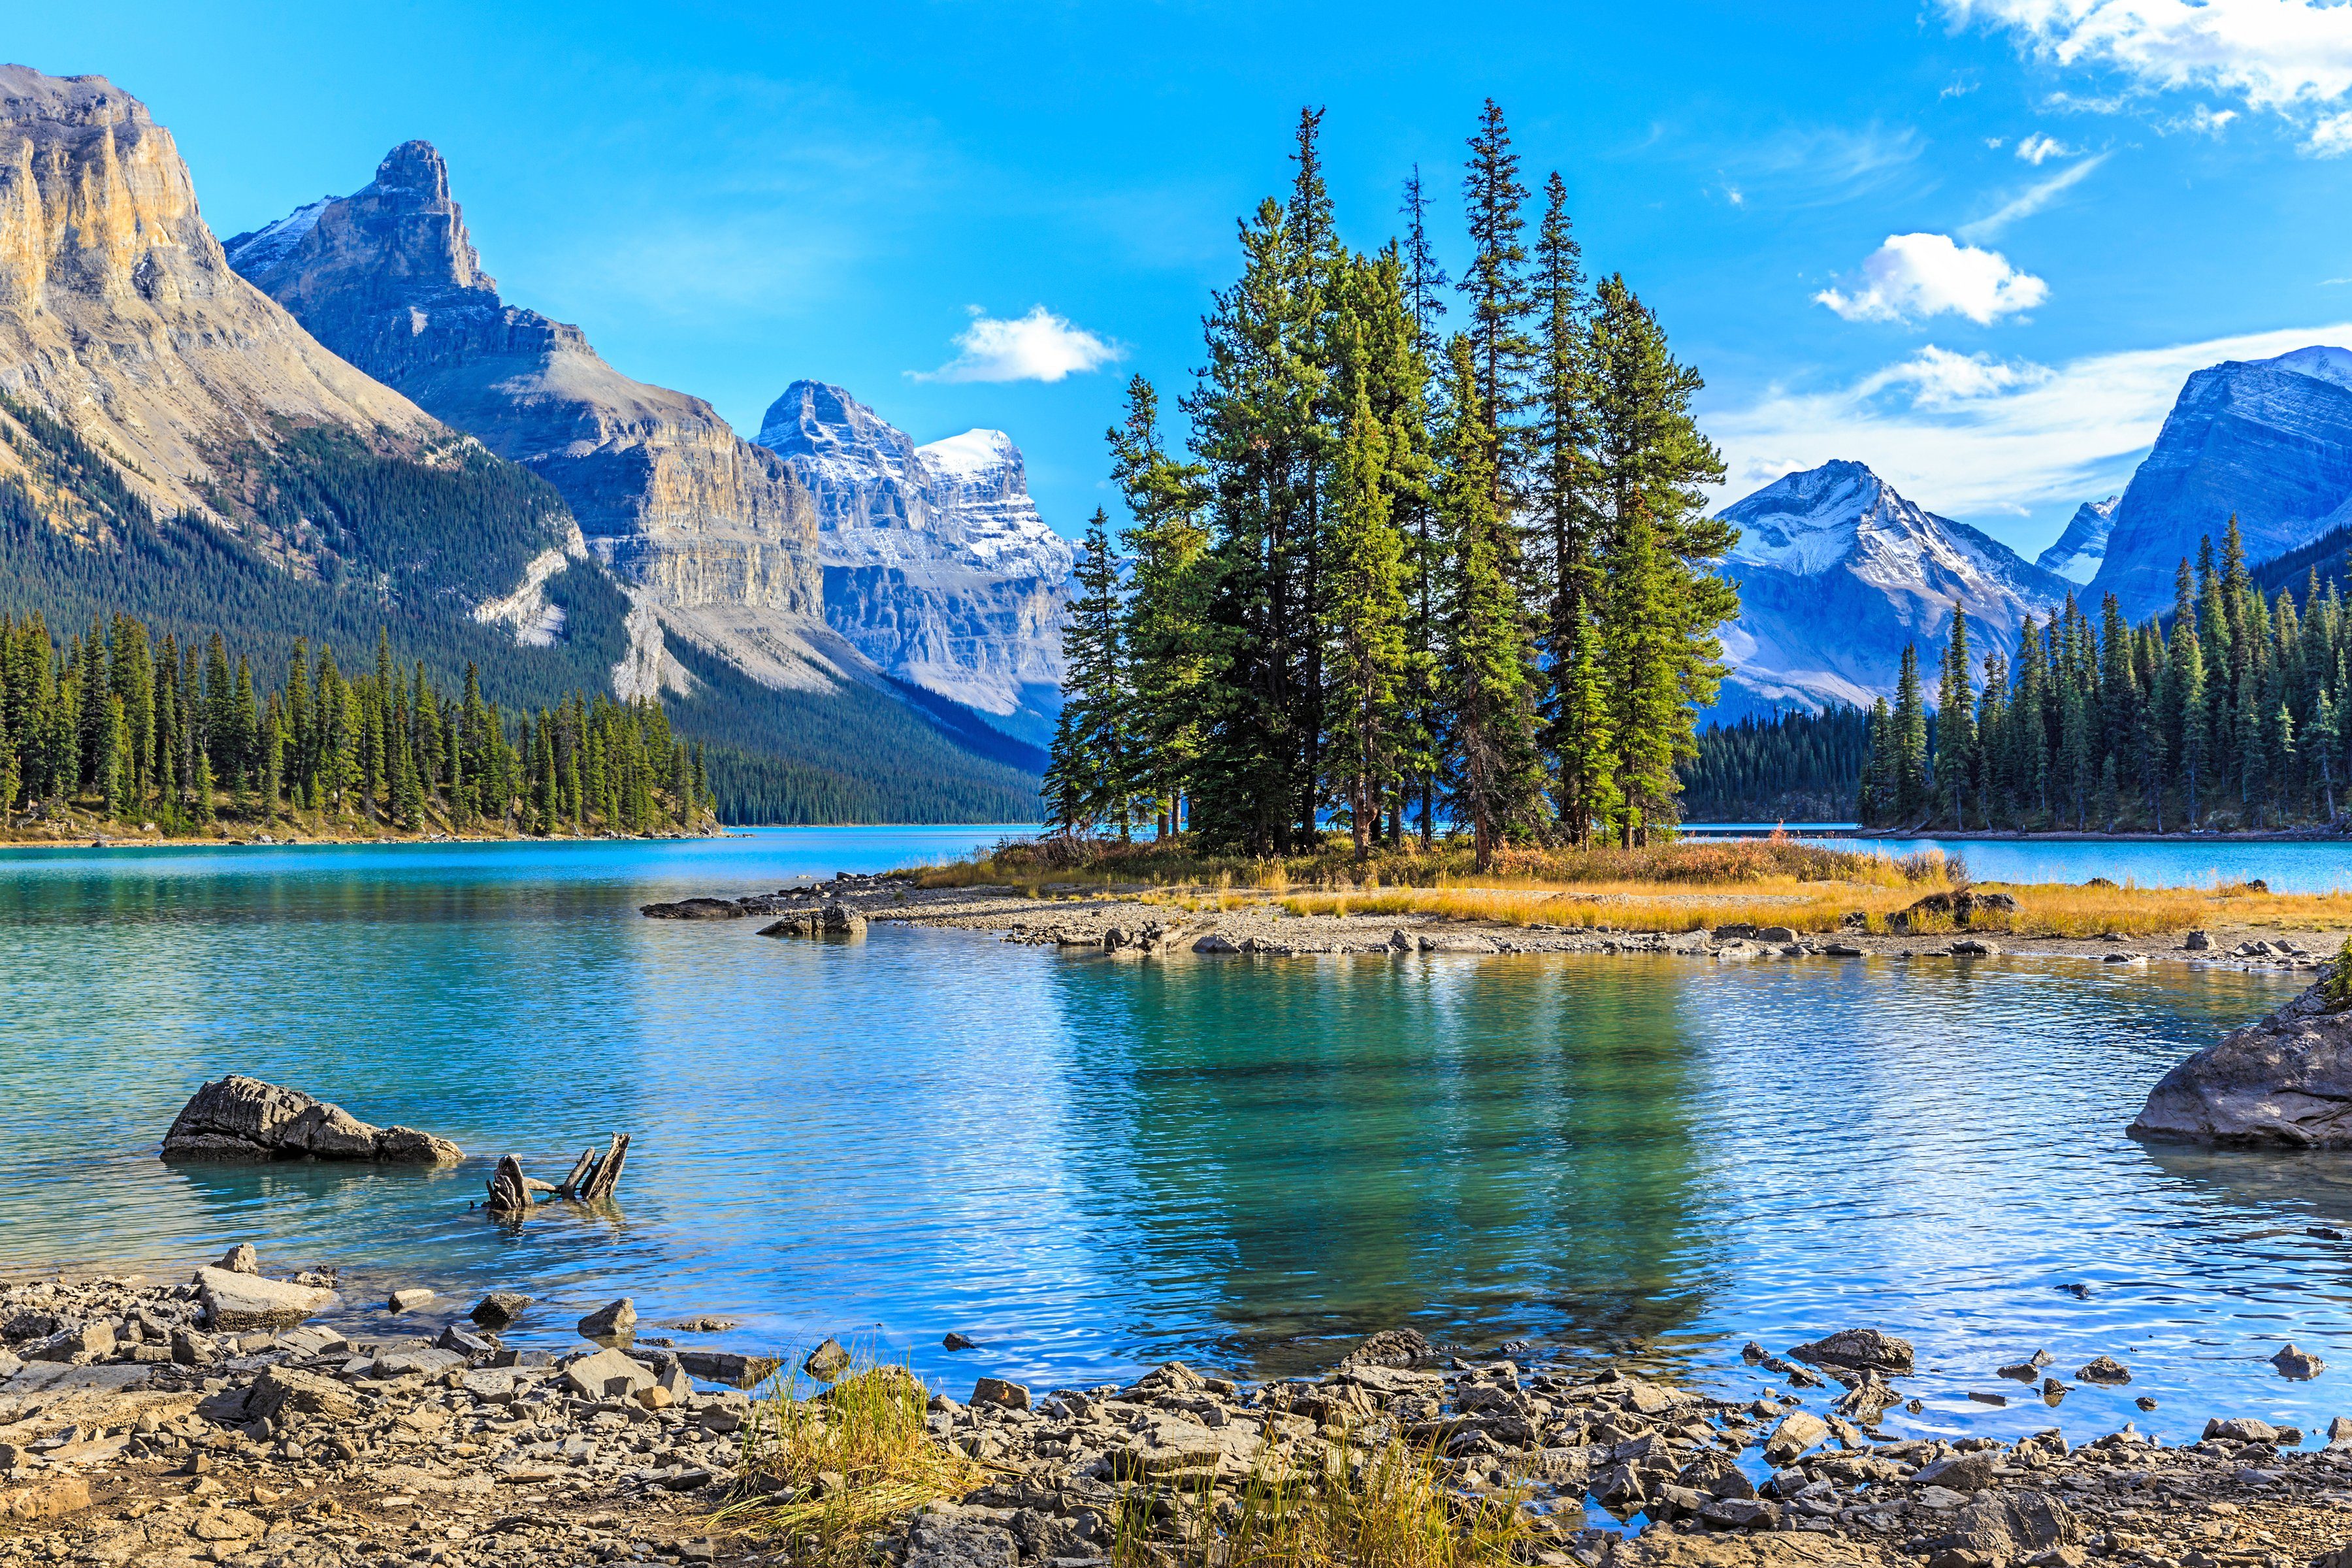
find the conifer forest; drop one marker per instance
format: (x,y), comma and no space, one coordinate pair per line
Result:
(2225,713)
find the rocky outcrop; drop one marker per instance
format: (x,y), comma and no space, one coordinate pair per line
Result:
(241,1118)
(937,567)
(666,493)
(120,315)
(1837,574)
(2077,553)
(235,1303)
(2284,1080)
(2266,441)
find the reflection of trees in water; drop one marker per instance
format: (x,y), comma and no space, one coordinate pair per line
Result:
(1299,1153)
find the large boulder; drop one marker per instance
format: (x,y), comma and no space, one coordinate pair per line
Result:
(2284,1081)
(1962,905)
(1861,1350)
(242,1117)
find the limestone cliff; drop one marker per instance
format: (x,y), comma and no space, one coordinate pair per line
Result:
(119,315)
(936,565)
(712,531)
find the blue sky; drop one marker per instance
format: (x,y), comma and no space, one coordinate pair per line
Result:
(1976,244)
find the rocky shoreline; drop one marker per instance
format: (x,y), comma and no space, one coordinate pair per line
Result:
(1135,923)
(149,1423)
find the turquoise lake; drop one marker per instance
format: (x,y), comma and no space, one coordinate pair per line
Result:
(1090,1165)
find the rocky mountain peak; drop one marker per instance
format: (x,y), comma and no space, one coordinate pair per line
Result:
(2266,441)
(399,240)
(1837,570)
(936,565)
(119,313)
(2077,553)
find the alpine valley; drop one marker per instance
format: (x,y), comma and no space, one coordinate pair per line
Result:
(335,423)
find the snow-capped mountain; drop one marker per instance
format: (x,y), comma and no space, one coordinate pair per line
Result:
(936,565)
(2080,549)
(1837,572)
(2267,440)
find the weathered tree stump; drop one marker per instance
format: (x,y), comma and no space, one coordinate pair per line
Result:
(599,1182)
(509,1191)
(570,1186)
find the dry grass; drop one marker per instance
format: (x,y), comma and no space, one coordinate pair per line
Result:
(1392,1508)
(848,1460)
(2044,910)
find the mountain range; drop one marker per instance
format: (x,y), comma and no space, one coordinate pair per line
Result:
(1837,571)
(336,421)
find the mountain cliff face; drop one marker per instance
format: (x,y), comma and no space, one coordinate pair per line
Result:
(119,315)
(1837,572)
(937,566)
(2079,551)
(2267,440)
(715,535)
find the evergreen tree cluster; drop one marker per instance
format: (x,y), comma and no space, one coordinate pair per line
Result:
(1789,766)
(135,728)
(2228,713)
(1401,576)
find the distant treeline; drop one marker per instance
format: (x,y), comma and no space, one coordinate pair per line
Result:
(1787,767)
(134,729)
(2228,713)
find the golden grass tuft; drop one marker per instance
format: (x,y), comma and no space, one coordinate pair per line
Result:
(1391,1508)
(847,1459)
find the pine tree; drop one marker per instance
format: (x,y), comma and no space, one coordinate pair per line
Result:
(1910,740)
(1092,758)
(1365,666)
(1663,604)
(1493,775)
(1167,605)
(1954,735)
(1500,300)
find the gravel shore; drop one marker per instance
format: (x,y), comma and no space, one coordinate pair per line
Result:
(131,1432)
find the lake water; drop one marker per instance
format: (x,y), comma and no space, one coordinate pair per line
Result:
(1090,1165)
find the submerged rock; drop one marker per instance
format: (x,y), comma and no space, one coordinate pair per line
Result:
(2286,1079)
(833,920)
(1862,1349)
(241,1118)
(694,910)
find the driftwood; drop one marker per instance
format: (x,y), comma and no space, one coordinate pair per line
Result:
(591,1180)
(509,1191)
(605,1173)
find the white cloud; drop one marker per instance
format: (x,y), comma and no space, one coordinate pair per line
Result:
(1914,275)
(2276,55)
(1039,346)
(2034,197)
(2331,138)
(2203,120)
(1993,142)
(2038,149)
(1939,380)
(1969,437)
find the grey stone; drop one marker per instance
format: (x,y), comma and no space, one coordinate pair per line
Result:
(1862,1349)
(827,1361)
(2284,1080)
(2105,1370)
(613,1321)
(608,1374)
(235,1303)
(997,1391)
(1797,1432)
(244,1119)
(2300,1365)
(499,1309)
(408,1301)
(240,1259)
(733,1368)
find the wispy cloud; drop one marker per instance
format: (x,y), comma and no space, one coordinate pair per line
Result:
(1914,275)
(2032,199)
(1970,437)
(2288,58)
(2038,149)
(1825,164)
(1039,346)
